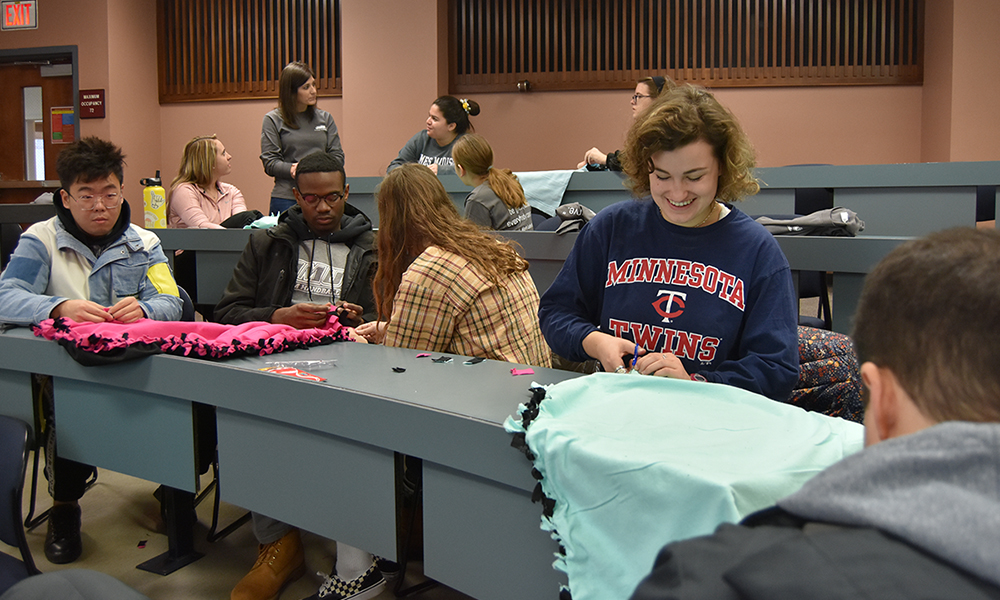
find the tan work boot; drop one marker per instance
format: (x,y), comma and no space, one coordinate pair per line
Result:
(278,564)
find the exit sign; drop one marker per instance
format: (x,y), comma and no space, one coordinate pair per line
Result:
(19,14)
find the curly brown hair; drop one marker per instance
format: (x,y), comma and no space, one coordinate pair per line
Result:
(681,116)
(415,212)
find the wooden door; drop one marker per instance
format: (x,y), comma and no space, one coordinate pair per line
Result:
(56,91)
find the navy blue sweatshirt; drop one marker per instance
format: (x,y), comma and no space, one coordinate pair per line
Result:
(718,297)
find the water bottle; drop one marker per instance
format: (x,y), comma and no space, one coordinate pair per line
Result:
(154,199)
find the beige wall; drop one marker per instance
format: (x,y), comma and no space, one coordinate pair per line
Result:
(935,142)
(390,78)
(394,65)
(838,125)
(133,105)
(975,103)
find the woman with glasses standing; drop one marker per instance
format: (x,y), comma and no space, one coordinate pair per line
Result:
(447,120)
(294,130)
(646,90)
(198,200)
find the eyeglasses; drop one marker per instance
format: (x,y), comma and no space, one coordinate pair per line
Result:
(330,199)
(635,97)
(89,201)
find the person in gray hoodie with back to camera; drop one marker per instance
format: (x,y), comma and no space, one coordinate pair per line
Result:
(917,513)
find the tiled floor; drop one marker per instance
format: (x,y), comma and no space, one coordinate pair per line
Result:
(122,528)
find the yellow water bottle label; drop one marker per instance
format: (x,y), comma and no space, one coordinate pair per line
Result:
(155,205)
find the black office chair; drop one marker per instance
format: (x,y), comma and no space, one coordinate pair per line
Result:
(537,217)
(812,284)
(187,309)
(548,224)
(986,202)
(809,200)
(10,234)
(14,444)
(206,456)
(409,522)
(41,386)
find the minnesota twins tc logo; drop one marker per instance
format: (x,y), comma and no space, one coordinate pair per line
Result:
(669,304)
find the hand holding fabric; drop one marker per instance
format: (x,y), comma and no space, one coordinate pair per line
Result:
(350,313)
(127,310)
(661,364)
(608,349)
(81,311)
(373,331)
(302,316)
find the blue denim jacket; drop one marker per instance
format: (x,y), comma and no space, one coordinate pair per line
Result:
(26,286)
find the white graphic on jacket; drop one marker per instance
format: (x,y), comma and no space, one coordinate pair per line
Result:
(670,303)
(441,161)
(318,281)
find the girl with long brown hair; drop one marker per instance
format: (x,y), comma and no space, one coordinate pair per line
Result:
(293,131)
(498,201)
(444,285)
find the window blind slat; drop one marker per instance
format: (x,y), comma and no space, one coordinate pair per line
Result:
(233,49)
(606,44)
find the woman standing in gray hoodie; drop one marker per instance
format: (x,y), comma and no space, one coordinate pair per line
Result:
(294,130)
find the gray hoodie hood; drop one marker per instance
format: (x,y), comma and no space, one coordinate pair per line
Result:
(937,489)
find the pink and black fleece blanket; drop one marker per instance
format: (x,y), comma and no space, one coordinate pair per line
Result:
(105,343)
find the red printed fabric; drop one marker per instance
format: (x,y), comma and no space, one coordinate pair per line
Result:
(104,343)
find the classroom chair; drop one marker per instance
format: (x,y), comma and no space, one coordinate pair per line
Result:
(10,233)
(14,444)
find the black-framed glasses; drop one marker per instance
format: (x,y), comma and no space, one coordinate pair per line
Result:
(89,201)
(635,97)
(315,199)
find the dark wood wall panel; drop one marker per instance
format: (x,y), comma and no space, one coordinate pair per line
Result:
(234,49)
(608,44)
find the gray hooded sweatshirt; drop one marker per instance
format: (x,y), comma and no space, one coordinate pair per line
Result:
(937,489)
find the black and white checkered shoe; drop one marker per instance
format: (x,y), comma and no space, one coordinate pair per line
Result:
(366,586)
(390,570)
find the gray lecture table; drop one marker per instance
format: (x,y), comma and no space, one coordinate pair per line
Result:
(849,259)
(893,199)
(321,455)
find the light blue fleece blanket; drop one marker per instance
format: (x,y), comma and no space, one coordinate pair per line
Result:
(544,189)
(633,462)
